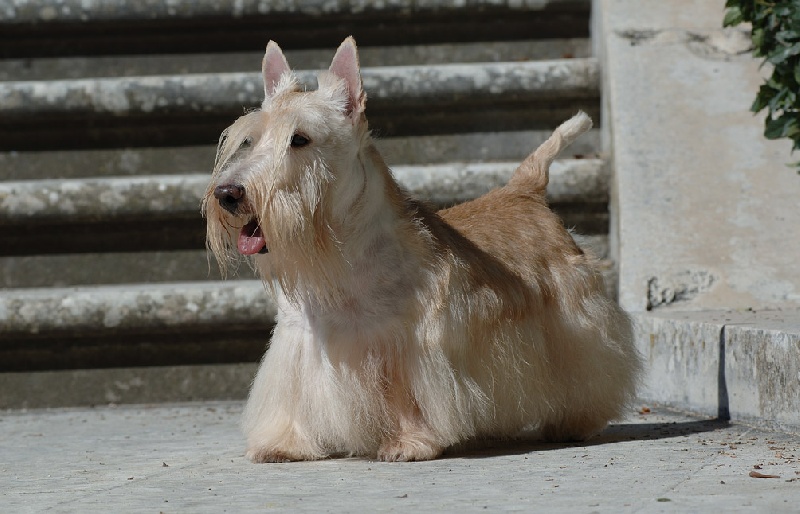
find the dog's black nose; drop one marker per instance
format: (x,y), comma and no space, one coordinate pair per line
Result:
(229,196)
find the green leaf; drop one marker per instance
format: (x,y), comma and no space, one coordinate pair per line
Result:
(733,16)
(783,53)
(782,10)
(758,42)
(775,32)
(787,37)
(779,127)
(765,93)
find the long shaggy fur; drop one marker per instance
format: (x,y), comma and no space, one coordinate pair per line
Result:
(403,331)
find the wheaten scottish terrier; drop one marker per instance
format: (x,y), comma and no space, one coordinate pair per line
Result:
(402,331)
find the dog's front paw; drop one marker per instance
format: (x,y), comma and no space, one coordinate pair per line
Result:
(405,449)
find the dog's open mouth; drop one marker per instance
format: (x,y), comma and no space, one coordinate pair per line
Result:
(251,239)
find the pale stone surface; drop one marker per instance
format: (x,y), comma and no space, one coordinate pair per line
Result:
(705,210)
(189,458)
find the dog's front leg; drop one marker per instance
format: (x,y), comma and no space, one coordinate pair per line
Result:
(273,421)
(273,435)
(286,448)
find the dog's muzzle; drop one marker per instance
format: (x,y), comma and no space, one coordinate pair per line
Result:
(251,238)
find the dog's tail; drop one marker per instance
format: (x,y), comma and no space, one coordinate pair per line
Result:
(534,172)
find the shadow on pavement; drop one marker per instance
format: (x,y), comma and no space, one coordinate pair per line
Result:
(616,433)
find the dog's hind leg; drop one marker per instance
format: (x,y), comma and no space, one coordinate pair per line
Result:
(411,438)
(573,429)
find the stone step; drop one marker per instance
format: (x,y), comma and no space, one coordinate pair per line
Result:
(177,110)
(74,27)
(162,212)
(60,12)
(742,365)
(411,150)
(115,268)
(77,67)
(133,325)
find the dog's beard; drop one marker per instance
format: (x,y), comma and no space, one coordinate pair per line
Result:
(290,242)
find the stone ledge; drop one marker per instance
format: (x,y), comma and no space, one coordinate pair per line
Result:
(34,313)
(159,197)
(741,364)
(157,384)
(414,150)
(229,92)
(70,68)
(85,269)
(47,312)
(62,11)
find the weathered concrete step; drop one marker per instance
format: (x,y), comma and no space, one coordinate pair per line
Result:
(116,268)
(126,385)
(369,56)
(135,325)
(176,110)
(34,313)
(742,365)
(226,92)
(162,212)
(58,12)
(63,27)
(413,150)
(160,196)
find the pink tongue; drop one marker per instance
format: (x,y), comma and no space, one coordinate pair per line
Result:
(251,240)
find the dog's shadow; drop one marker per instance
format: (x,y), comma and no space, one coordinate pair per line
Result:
(616,433)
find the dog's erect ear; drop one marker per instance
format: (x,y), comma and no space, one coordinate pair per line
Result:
(273,67)
(345,66)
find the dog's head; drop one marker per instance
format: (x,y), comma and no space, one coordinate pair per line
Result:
(282,172)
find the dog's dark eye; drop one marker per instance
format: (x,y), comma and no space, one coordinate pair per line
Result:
(299,141)
(246,143)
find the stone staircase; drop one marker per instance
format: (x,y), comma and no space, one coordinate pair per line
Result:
(108,123)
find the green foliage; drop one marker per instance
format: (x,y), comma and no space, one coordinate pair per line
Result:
(776,38)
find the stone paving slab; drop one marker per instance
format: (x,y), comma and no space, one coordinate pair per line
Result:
(189,458)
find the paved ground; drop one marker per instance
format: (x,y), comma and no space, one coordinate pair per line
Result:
(188,458)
